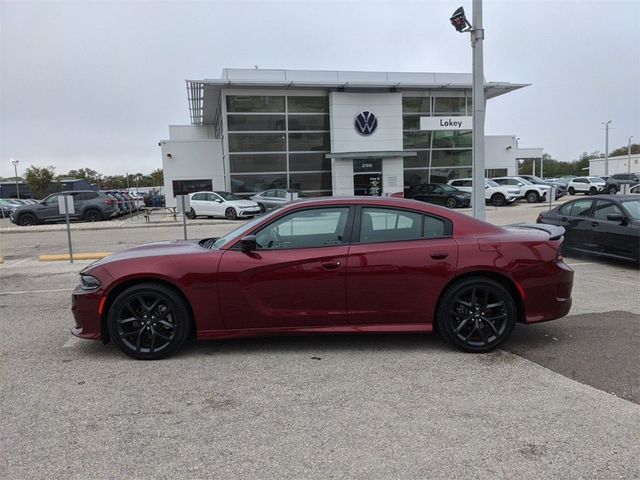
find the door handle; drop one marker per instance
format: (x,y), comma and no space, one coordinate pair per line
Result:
(439,255)
(563,219)
(331,265)
(594,224)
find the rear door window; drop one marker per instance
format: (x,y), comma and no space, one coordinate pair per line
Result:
(580,208)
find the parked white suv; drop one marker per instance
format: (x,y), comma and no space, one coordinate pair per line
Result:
(493,192)
(586,185)
(221,204)
(533,193)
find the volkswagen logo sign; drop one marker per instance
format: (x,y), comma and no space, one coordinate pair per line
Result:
(366,123)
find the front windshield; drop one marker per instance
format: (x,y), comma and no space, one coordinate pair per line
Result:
(228,196)
(633,207)
(491,183)
(245,227)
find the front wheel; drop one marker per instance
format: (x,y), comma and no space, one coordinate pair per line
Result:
(27,219)
(592,191)
(498,200)
(262,208)
(476,314)
(149,321)
(192,214)
(572,191)
(231,213)
(533,197)
(451,202)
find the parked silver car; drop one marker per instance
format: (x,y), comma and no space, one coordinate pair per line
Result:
(274,198)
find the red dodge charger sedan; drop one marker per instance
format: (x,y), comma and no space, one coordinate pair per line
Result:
(332,265)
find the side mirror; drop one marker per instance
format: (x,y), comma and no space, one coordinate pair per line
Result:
(486,186)
(249,243)
(616,217)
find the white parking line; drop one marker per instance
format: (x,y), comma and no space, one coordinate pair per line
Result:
(72,342)
(16,263)
(37,291)
(577,264)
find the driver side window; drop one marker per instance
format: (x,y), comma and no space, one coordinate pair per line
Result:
(318,227)
(52,200)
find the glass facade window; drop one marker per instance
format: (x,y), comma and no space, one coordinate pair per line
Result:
(450,105)
(309,122)
(257,183)
(309,162)
(184,187)
(257,142)
(255,103)
(451,158)
(310,181)
(248,163)
(255,123)
(304,142)
(416,104)
(415,177)
(309,104)
(443,175)
(421,160)
(411,122)
(452,139)
(411,140)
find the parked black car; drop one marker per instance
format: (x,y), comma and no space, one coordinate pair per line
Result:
(614,182)
(561,187)
(439,193)
(600,225)
(89,205)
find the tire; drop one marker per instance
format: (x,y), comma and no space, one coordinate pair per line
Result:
(451,202)
(498,200)
(27,219)
(572,191)
(92,216)
(192,214)
(592,191)
(533,197)
(612,190)
(149,321)
(262,208)
(476,314)
(231,213)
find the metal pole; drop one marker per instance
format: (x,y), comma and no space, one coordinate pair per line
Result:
(477,37)
(533,162)
(629,154)
(184,216)
(66,214)
(606,149)
(15,169)
(542,166)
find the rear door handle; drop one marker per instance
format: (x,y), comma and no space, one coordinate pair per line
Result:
(439,255)
(331,265)
(594,224)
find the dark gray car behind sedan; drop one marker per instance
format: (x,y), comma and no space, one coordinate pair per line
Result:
(600,225)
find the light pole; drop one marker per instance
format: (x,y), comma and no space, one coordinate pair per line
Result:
(629,154)
(606,148)
(15,169)
(460,23)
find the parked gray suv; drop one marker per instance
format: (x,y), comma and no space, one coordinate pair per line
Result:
(89,205)
(615,181)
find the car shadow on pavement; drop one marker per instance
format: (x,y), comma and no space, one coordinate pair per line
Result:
(597,349)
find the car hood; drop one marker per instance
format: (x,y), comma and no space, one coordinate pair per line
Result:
(156,249)
(241,203)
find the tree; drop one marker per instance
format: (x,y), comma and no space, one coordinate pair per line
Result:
(39,179)
(635,148)
(157,178)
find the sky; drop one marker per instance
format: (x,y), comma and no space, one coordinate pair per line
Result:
(96,84)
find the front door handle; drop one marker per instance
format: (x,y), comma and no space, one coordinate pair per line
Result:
(331,265)
(439,255)
(594,224)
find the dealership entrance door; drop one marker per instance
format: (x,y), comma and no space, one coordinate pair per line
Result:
(367,176)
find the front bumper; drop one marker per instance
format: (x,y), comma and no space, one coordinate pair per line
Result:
(84,306)
(248,212)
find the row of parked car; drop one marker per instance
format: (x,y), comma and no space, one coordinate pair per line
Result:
(88,205)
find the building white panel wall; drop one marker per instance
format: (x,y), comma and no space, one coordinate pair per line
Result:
(344,107)
(191,160)
(500,152)
(342,177)
(616,165)
(190,132)
(392,175)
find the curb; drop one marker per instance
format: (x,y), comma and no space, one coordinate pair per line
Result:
(1,259)
(76,256)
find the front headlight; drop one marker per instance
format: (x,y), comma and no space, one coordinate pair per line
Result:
(87,282)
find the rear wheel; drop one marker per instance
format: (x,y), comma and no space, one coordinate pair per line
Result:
(592,191)
(149,321)
(451,202)
(498,199)
(27,219)
(191,214)
(612,190)
(92,216)
(572,191)
(231,213)
(476,314)
(533,197)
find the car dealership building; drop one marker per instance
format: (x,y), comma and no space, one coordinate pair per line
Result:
(330,133)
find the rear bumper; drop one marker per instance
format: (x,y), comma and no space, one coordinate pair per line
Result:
(548,297)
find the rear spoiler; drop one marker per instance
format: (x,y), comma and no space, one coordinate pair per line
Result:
(555,232)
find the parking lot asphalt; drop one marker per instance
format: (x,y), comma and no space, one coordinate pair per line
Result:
(560,401)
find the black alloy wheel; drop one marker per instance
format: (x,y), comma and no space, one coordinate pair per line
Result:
(451,202)
(476,314)
(612,190)
(27,219)
(572,191)
(262,208)
(592,191)
(149,321)
(230,213)
(192,214)
(533,197)
(498,200)
(92,216)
